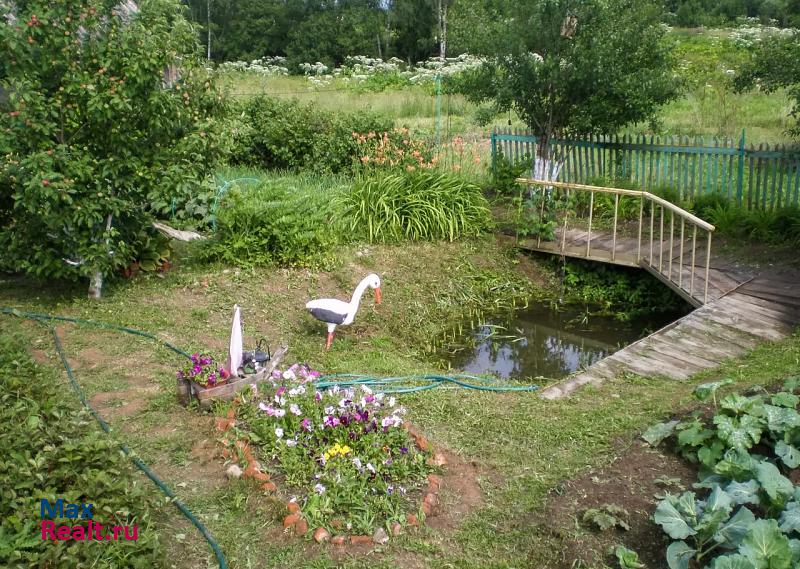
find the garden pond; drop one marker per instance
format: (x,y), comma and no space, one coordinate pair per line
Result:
(543,341)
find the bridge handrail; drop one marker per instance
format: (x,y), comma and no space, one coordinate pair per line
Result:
(659,200)
(662,268)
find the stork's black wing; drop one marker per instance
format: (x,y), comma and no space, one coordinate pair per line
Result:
(328,316)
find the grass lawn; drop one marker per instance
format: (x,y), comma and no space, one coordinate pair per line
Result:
(524,468)
(706,111)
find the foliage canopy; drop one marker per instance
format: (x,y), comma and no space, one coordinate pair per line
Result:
(578,67)
(775,64)
(105,111)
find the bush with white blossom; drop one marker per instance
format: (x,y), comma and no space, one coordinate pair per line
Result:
(361,71)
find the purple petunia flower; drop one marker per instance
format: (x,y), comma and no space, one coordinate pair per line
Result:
(403,450)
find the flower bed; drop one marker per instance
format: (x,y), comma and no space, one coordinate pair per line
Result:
(345,456)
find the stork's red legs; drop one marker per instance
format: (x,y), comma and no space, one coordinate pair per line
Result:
(329,341)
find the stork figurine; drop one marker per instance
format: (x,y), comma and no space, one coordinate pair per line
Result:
(336,312)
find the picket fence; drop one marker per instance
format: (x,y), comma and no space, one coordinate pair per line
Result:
(761,177)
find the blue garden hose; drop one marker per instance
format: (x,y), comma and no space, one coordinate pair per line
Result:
(409,383)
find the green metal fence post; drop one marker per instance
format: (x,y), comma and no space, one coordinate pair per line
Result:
(740,177)
(494,151)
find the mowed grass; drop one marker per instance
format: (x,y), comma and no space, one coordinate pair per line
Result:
(523,448)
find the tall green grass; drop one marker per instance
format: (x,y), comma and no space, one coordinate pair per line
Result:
(289,220)
(425,206)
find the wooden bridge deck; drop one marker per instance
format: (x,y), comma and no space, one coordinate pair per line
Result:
(724,276)
(745,306)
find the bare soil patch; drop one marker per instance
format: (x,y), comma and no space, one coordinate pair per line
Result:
(629,483)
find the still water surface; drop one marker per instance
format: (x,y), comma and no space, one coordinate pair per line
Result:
(544,342)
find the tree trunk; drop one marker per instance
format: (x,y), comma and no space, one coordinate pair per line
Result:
(208,29)
(96,285)
(96,281)
(443,28)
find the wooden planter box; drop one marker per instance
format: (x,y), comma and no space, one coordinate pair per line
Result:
(205,396)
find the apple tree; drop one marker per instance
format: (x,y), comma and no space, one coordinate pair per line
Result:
(105,113)
(577,66)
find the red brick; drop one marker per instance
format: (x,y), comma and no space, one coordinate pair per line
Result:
(321,534)
(301,527)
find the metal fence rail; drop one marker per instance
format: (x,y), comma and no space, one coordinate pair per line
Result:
(761,177)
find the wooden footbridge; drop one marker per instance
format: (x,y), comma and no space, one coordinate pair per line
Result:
(736,306)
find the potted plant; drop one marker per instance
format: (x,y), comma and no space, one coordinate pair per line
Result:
(202,371)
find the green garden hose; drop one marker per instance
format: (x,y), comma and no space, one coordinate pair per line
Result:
(223,564)
(398,384)
(409,383)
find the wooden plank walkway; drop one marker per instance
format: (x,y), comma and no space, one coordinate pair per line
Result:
(724,276)
(745,307)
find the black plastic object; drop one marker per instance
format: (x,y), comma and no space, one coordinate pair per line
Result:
(255,359)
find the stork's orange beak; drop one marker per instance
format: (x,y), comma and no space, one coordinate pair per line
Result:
(378,295)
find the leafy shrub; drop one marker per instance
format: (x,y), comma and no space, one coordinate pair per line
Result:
(424,205)
(506,172)
(781,226)
(90,136)
(343,450)
(287,222)
(704,205)
(51,450)
(625,293)
(751,517)
(277,134)
(484,115)
(775,227)
(668,193)
(627,210)
(727,219)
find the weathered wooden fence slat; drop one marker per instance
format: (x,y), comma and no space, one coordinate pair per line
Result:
(755,177)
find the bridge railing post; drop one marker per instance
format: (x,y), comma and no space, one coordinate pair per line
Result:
(694,252)
(614,237)
(639,238)
(589,234)
(680,261)
(708,266)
